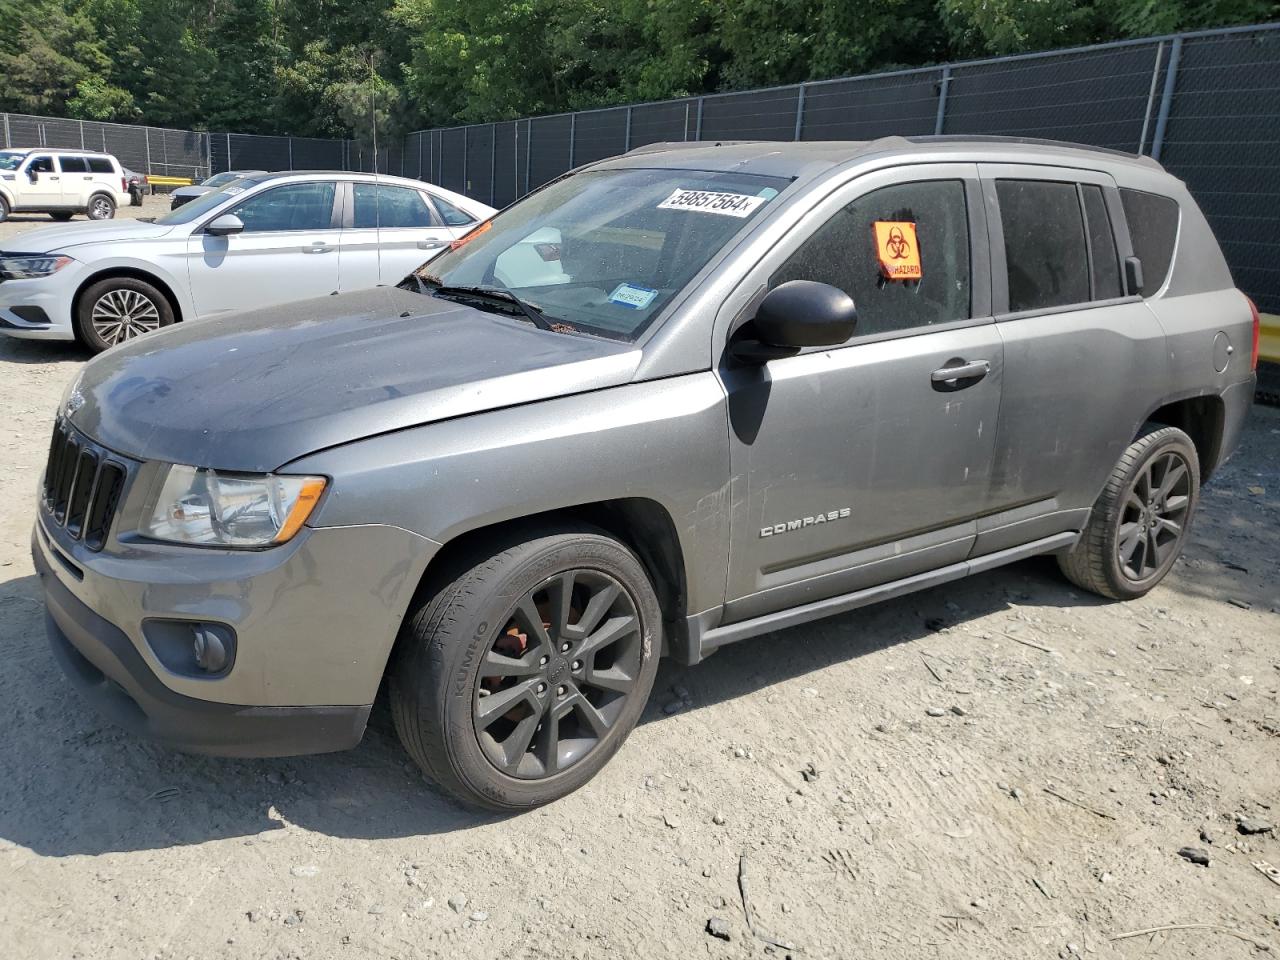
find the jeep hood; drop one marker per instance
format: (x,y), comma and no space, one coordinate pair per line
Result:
(72,235)
(253,391)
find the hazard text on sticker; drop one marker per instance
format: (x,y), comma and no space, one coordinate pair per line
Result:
(898,249)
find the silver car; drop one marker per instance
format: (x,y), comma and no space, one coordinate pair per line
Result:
(670,401)
(255,242)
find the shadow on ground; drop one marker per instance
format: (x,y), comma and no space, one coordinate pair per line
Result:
(77,785)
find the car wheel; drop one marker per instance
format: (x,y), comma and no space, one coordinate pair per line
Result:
(518,679)
(117,309)
(101,207)
(62,215)
(4,209)
(1139,524)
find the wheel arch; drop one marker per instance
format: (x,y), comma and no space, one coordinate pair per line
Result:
(107,273)
(642,525)
(1203,419)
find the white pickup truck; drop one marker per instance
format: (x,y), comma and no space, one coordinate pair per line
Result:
(61,183)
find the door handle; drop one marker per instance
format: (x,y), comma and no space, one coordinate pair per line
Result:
(958,374)
(53,178)
(432,244)
(317,247)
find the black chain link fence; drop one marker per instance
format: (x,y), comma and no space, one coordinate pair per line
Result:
(1206,104)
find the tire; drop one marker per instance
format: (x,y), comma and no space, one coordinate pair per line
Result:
(4,209)
(141,307)
(62,216)
(1139,523)
(469,683)
(101,207)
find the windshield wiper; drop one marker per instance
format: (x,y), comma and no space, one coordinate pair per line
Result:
(502,294)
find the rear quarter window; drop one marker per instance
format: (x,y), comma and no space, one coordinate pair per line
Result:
(1153,227)
(100,165)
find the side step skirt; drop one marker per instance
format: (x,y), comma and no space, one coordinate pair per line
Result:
(703,644)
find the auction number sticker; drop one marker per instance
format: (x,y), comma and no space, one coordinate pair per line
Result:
(898,249)
(632,295)
(710,201)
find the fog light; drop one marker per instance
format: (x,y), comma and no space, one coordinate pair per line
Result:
(192,648)
(211,655)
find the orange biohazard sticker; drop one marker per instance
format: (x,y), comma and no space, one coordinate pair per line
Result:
(898,250)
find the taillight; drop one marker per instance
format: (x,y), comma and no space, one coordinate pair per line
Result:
(124,184)
(1257,334)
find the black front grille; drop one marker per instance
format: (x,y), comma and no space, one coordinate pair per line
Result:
(82,486)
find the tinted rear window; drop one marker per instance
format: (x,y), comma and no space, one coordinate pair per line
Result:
(73,164)
(1044,244)
(100,165)
(1153,227)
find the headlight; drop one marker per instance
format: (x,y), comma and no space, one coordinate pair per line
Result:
(25,266)
(231,510)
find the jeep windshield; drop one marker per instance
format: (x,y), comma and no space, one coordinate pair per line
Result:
(600,252)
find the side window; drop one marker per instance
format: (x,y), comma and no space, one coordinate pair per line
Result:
(1153,226)
(845,253)
(100,165)
(1044,244)
(40,165)
(451,215)
(295,206)
(1104,260)
(388,206)
(73,164)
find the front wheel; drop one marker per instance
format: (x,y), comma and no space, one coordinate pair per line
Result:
(517,680)
(1139,524)
(4,209)
(117,309)
(101,207)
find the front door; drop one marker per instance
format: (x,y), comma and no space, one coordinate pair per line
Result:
(288,251)
(39,186)
(868,462)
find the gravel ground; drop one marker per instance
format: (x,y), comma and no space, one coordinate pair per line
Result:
(1001,767)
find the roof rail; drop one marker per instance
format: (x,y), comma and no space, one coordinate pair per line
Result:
(1032,141)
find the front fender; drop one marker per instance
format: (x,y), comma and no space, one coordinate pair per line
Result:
(663,440)
(169,270)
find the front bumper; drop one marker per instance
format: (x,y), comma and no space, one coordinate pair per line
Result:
(52,295)
(314,624)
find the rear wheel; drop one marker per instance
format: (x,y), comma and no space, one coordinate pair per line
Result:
(1139,524)
(101,207)
(516,681)
(117,309)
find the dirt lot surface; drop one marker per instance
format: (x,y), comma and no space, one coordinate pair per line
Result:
(1001,767)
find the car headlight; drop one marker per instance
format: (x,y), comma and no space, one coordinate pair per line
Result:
(199,506)
(26,266)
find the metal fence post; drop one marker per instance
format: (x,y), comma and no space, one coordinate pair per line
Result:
(493,161)
(1166,98)
(228,151)
(940,121)
(627,141)
(7,141)
(419,156)
(528,150)
(1151,97)
(466,184)
(291,153)
(146,135)
(799,113)
(697,133)
(81,134)
(573,136)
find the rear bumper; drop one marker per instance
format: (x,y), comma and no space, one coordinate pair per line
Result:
(106,668)
(1236,401)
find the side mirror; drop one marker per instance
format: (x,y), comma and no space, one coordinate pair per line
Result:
(1132,275)
(225,225)
(796,314)
(33,175)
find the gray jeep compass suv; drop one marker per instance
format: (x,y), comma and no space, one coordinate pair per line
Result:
(669,401)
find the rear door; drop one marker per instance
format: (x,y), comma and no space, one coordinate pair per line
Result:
(1083,357)
(388,231)
(288,250)
(75,180)
(103,175)
(864,463)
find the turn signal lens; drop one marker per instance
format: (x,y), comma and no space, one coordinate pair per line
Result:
(308,497)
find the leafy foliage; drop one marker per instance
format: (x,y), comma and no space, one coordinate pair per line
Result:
(338,67)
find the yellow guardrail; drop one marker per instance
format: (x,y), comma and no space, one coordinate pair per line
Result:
(1269,338)
(169,181)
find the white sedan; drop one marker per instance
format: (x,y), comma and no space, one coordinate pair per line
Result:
(258,241)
